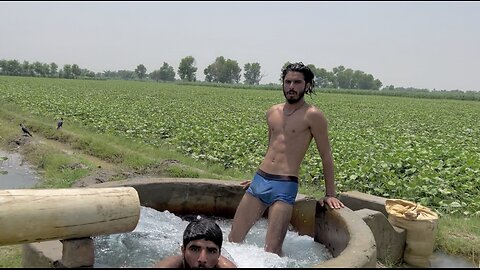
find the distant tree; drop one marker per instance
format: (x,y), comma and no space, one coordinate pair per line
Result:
(110,74)
(378,84)
(350,79)
(345,79)
(325,79)
(85,73)
(27,69)
(76,71)
(252,73)
(337,70)
(53,69)
(67,71)
(141,70)
(155,75)
(126,74)
(223,71)
(389,87)
(13,68)
(167,73)
(3,66)
(40,69)
(187,69)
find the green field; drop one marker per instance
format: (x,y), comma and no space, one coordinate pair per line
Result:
(423,150)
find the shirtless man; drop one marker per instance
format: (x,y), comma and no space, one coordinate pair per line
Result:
(202,244)
(291,127)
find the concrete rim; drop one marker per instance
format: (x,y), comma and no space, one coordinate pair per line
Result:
(353,245)
(359,252)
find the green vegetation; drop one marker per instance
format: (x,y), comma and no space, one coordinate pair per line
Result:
(10,256)
(391,147)
(460,236)
(422,150)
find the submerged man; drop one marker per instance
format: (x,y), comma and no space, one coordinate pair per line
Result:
(291,127)
(202,245)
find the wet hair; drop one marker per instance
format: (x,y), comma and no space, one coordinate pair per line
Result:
(203,229)
(308,74)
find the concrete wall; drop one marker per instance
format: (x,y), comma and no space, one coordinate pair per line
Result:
(390,240)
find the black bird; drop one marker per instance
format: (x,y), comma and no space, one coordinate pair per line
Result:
(60,123)
(25,130)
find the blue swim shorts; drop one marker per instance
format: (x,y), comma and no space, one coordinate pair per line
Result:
(269,188)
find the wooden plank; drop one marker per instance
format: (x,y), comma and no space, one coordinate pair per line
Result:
(34,215)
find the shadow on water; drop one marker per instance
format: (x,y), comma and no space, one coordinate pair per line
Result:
(14,173)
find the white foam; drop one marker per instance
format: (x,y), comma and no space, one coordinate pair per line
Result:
(159,234)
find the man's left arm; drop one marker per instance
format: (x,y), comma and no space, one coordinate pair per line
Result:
(319,128)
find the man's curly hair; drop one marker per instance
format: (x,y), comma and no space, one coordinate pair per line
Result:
(305,70)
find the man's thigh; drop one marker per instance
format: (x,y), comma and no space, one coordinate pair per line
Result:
(279,216)
(248,212)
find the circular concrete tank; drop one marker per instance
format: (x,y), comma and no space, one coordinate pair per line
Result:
(346,235)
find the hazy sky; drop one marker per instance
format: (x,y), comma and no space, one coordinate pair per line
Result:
(408,44)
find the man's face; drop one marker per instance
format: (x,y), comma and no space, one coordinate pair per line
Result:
(294,86)
(201,254)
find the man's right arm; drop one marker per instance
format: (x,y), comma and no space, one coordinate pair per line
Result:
(223,262)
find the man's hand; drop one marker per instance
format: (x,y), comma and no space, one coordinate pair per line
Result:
(245,184)
(332,202)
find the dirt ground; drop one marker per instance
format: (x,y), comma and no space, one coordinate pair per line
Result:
(104,171)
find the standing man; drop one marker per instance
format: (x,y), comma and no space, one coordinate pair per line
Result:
(291,127)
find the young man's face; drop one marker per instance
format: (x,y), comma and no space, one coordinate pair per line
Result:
(201,254)
(294,86)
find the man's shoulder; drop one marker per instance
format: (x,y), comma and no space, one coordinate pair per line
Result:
(313,109)
(275,107)
(314,113)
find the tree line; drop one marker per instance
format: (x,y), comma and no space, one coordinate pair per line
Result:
(222,70)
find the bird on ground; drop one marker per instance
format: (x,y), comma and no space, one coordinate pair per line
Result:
(60,123)
(25,130)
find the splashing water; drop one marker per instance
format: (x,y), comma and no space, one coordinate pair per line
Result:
(159,234)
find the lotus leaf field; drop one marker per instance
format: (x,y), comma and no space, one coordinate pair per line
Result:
(423,150)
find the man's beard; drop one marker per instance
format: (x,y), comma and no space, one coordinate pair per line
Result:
(186,265)
(294,100)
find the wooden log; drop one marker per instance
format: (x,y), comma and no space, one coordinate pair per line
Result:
(35,215)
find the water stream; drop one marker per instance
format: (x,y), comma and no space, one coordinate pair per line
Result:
(14,173)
